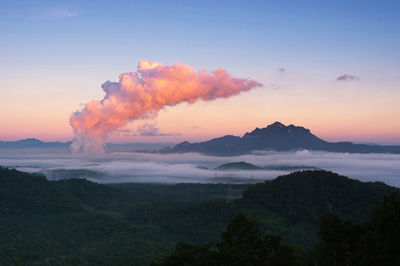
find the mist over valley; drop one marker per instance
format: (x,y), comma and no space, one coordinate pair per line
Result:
(125,167)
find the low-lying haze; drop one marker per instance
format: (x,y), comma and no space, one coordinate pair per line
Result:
(120,167)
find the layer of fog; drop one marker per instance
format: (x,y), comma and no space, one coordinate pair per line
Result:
(120,167)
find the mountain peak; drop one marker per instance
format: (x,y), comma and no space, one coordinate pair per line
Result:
(277,124)
(279,137)
(277,128)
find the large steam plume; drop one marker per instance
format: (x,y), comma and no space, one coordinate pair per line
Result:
(143,93)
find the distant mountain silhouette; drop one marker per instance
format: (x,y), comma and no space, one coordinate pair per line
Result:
(33,143)
(277,137)
(110,147)
(249,166)
(238,166)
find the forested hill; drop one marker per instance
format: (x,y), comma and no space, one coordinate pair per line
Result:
(75,221)
(78,222)
(23,193)
(307,195)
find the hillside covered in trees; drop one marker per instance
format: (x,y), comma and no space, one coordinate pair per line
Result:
(341,242)
(75,221)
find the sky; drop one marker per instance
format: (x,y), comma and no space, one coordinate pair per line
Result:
(330,66)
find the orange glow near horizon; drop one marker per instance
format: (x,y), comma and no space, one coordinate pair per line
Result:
(142,94)
(333,111)
(339,133)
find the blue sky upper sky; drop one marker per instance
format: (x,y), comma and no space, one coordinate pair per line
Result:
(56,54)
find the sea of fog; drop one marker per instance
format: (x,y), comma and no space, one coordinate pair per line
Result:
(122,167)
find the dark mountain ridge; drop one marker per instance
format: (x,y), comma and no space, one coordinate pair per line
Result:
(33,143)
(74,221)
(249,166)
(311,193)
(238,166)
(277,137)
